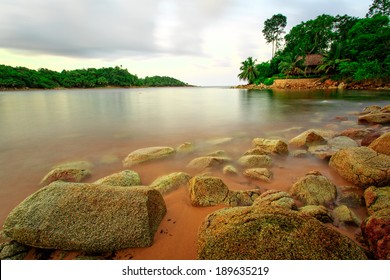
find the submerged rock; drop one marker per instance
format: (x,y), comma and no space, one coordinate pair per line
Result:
(201,163)
(272,145)
(185,148)
(125,178)
(87,217)
(170,182)
(314,189)
(147,154)
(257,151)
(308,138)
(255,161)
(319,212)
(66,173)
(276,198)
(375,118)
(333,145)
(262,174)
(343,215)
(271,233)
(207,191)
(349,195)
(230,170)
(362,166)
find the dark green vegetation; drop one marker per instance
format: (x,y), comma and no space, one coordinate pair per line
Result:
(21,77)
(342,48)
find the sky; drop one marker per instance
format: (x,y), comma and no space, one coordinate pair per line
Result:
(201,42)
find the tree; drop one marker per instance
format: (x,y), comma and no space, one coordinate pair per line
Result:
(381,7)
(273,29)
(249,71)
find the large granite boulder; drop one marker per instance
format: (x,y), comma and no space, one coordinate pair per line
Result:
(314,189)
(148,154)
(125,178)
(87,217)
(170,182)
(377,199)
(74,171)
(376,230)
(362,166)
(381,144)
(207,191)
(272,145)
(271,233)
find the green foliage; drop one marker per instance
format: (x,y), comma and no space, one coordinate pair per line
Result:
(20,77)
(268,81)
(249,71)
(379,7)
(273,29)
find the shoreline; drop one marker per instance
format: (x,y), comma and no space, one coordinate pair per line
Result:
(317,83)
(76,88)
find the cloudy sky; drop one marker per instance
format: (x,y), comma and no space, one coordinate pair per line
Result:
(201,42)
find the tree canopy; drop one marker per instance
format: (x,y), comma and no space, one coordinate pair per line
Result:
(352,49)
(21,77)
(273,30)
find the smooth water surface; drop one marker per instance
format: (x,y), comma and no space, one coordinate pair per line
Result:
(39,129)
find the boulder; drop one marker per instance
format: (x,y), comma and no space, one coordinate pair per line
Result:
(170,182)
(125,178)
(271,233)
(13,251)
(308,138)
(276,198)
(185,148)
(201,163)
(230,170)
(255,161)
(343,215)
(87,217)
(147,154)
(362,166)
(262,174)
(375,118)
(369,138)
(257,151)
(272,145)
(371,109)
(377,199)
(319,212)
(356,133)
(381,144)
(72,171)
(333,145)
(376,230)
(314,189)
(207,191)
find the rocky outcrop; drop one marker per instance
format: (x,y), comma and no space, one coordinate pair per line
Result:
(170,182)
(271,233)
(314,189)
(255,161)
(68,172)
(381,144)
(207,191)
(125,178)
(201,163)
(147,154)
(272,145)
(87,217)
(362,166)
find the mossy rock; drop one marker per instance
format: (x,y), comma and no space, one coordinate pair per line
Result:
(74,171)
(170,182)
(271,233)
(272,145)
(125,178)
(276,198)
(377,199)
(87,217)
(252,161)
(207,191)
(319,212)
(148,154)
(201,163)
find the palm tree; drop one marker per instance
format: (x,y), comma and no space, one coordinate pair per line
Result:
(249,71)
(290,65)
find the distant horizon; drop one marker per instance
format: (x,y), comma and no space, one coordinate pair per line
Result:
(198,42)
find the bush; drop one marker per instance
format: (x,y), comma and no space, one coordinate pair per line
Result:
(268,81)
